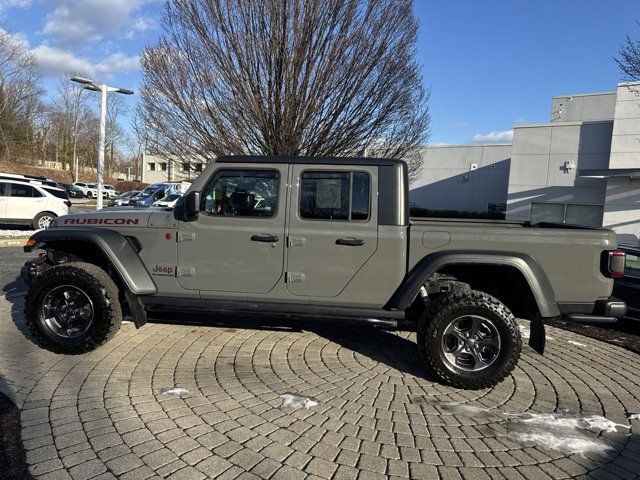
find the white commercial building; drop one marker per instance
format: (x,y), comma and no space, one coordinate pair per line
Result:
(583,167)
(157,169)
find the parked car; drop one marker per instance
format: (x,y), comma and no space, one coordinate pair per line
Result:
(169,201)
(627,286)
(92,191)
(83,187)
(123,199)
(333,238)
(157,191)
(149,195)
(111,190)
(72,190)
(25,201)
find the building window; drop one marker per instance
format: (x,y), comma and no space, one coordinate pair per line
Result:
(163,166)
(151,166)
(185,166)
(198,167)
(497,211)
(569,213)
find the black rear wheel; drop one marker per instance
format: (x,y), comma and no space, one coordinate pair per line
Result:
(73,308)
(469,339)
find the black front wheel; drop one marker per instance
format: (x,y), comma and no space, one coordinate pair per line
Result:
(469,339)
(72,308)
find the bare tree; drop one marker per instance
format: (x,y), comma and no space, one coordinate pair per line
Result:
(285,77)
(116,108)
(19,89)
(73,104)
(628,59)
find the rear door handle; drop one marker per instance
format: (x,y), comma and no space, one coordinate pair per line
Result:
(350,242)
(264,237)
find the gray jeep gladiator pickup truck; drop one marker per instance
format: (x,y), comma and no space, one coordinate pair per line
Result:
(321,237)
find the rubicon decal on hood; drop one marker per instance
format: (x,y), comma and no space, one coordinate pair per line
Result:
(101,221)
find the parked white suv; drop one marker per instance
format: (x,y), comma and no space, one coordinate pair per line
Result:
(111,191)
(92,191)
(31,202)
(82,186)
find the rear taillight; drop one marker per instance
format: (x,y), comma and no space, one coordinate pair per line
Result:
(67,203)
(616,264)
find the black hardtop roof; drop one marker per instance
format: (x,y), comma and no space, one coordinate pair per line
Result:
(309,160)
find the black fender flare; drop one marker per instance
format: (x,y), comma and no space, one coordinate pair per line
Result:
(114,246)
(533,273)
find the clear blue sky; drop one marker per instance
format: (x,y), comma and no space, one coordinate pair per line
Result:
(490,63)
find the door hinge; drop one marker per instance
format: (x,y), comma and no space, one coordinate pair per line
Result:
(186,236)
(186,271)
(297,241)
(295,277)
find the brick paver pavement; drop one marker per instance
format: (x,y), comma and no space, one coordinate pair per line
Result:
(106,414)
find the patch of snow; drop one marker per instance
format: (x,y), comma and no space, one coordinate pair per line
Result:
(635,416)
(525,332)
(295,401)
(563,433)
(16,233)
(577,344)
(176,391)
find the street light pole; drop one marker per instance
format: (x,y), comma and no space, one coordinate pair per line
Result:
(101,147)
(103,89)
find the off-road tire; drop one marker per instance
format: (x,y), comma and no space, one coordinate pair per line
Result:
(103,293)
(36,221)
(452,305)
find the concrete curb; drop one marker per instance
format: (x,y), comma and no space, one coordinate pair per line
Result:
(13,242)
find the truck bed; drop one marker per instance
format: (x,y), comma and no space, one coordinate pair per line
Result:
(568,253)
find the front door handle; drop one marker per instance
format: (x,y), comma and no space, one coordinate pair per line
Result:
(264,237)
(350,242)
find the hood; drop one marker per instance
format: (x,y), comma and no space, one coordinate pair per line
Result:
(110,217)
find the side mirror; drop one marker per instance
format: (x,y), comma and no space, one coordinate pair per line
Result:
(192,204)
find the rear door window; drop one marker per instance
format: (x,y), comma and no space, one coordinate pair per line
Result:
(335,195)
(3,189)
(24,191)
(62,194)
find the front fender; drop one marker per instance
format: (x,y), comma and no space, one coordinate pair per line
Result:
(527,265)
(115,247)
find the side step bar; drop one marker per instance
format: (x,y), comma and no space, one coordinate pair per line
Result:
(372,315)
(581,318)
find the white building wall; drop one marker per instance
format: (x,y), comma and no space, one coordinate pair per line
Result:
(622,204)
(462,178)
(545,161)
(156,169)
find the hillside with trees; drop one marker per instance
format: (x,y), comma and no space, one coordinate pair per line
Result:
(40,130)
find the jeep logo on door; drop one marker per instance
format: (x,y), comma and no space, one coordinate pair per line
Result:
(101,221)
(163,270)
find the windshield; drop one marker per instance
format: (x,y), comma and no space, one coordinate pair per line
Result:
(150,190)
